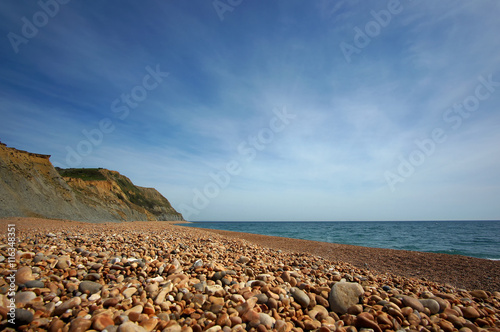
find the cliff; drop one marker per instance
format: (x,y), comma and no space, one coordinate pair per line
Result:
(30,186)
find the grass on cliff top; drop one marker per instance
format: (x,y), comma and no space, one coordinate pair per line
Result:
(87,174)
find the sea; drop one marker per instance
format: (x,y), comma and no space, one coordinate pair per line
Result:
(479,239)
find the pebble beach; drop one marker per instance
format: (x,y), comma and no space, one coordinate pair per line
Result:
(157,276)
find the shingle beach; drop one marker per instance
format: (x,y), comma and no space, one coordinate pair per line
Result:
(156,276)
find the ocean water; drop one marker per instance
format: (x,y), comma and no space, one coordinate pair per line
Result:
(479,239)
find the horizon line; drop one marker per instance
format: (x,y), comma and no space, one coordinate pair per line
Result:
(306,221)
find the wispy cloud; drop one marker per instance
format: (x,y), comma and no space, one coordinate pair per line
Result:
(354,121)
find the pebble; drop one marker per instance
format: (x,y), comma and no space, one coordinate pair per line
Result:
(446,326)
(243,260)
(214,289)
(94,297)
(470,312)
(262,298)
(355,309)
(219,275)
(175,328)
(431,304)
(115,260)
(80,324)
(443,304)
(131,327)
(63,262)
(251,316)
(344,295)
(23,317)
(112,302)
(101,321)
(286,276)
(456,321)
(214,328)
(39,258)
(129,292)
(300,297)
(91,287)
(69,304)
(96,266)
(224,320)
(93,276)
(24,297)
(137,310)
(152,288)
(312,324)
(160,298)
(280,325)
(480,294)
(367,320)
(412,303)
(23,275)
(149,324)
(34,284)
(200,286)
(321,310)
(266,320)
(272,303)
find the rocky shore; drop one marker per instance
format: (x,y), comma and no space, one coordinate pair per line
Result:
(155,276)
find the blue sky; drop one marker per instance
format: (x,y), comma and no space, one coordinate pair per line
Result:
(258,110)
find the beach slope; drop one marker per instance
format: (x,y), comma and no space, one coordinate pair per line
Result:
(459,271)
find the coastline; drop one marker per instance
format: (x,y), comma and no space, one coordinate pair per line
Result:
(475,239)
(456,270)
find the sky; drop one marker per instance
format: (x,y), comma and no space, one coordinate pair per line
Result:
(265,110)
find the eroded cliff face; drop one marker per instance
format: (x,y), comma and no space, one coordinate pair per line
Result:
(30,186)
(118,193)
